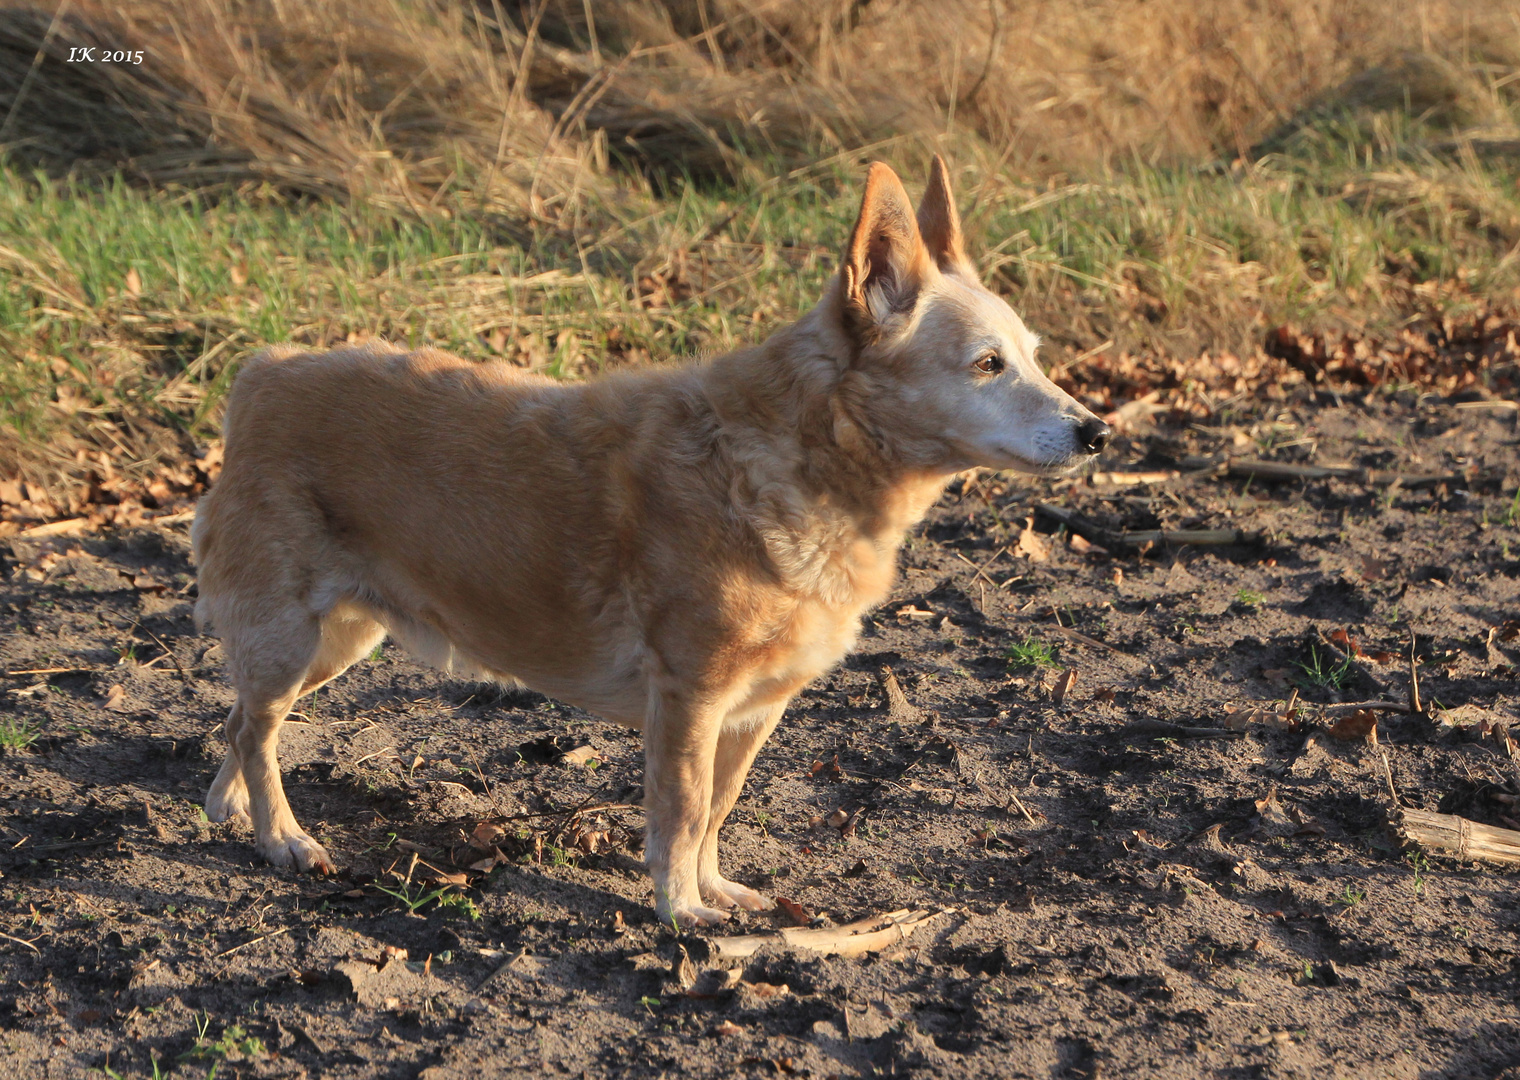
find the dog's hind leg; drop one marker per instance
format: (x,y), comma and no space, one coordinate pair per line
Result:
(348,634)
(737,746)
(228,797)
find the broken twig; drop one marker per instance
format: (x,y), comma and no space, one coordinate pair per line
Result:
(1166,729)
(1283,470)
(1458,837)
(854,939)
(1414,680)
(1139,537)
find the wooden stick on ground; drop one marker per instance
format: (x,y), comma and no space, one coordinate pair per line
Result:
(1458,837)
(1014,800)
(1165,729)
(1283,470)
(1131,479)
(1098,535)
(1370,706)
(1414,680)
(855,939)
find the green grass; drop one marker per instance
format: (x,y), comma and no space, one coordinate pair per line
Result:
(1321,671)
(414,898)
(1249,598)
(233,1042)
(458,903)
(1032,653)
(16,733)
(1351,224)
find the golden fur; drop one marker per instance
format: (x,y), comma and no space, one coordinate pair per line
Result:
(679,549)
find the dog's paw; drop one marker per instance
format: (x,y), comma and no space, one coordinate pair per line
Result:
(689,916)
(298,850)
(224,803)
(730,894)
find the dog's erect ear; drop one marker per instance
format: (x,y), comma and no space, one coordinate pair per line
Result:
(938,222)
(885,261)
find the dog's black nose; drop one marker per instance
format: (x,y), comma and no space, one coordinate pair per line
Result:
(1094,435)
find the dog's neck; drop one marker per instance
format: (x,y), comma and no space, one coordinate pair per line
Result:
(785,404)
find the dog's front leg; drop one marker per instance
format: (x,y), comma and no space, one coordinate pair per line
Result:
(680,739)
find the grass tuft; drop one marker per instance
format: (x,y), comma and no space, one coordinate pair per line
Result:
(1322,672)
(1032,653)
(17,733)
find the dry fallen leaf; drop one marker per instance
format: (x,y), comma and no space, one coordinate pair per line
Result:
(1345,641)
(1307,826)
(581,755)
(1361,724)
(908,611)
(727,1028)
(1277,676)
(1031,545)
(485,836)
(682,970)
(794,911)
(1373,569)
(1268,806)
(1267,714)
(838,818)
(769,990)
(1063,685)
(116,698)
(592,841)
(133,282)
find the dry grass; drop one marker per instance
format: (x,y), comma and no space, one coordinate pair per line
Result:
(526,104)
(1146,180)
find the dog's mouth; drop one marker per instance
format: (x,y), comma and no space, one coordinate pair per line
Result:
(1061,467)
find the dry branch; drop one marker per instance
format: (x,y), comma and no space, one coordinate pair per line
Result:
(1165,729)
(1110,539)
(1132,479)
(1458,837)
(854,939)
(1370,706)
(1282,470)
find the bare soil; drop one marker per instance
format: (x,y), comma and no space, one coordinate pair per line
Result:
(1171,904)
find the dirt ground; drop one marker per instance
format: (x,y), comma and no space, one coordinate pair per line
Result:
(1171,905)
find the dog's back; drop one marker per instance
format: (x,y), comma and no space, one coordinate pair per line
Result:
(472,510)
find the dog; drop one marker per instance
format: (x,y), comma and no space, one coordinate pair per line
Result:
(679,549)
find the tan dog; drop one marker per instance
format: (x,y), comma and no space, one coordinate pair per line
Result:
(679,549)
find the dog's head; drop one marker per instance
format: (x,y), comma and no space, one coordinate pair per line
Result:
(942,371)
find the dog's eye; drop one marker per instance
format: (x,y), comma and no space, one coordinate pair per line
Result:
(991,364)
